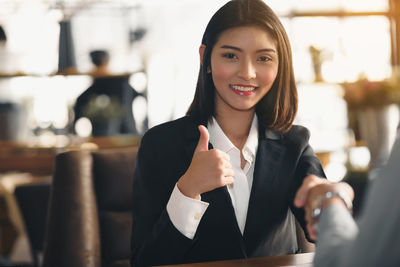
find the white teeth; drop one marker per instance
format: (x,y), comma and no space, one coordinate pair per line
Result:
(242,88)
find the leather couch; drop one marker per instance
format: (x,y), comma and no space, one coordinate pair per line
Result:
(89,221)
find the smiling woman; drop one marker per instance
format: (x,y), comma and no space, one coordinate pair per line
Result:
(219,183)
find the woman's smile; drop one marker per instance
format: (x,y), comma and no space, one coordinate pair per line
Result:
(243,90)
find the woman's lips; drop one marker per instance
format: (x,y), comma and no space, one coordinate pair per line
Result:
(243,90)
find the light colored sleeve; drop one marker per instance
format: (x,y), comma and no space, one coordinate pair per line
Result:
(377,242)
(336,229)
(185,213)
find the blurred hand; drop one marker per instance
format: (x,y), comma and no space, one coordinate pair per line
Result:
(208,170)
(314,187)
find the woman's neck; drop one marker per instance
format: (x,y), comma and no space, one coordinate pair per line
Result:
(236,126)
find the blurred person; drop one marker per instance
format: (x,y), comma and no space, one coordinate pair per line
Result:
(220,182)
(373,239)
(107,103)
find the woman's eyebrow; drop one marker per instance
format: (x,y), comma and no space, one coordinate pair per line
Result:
(231,47)
(270,50)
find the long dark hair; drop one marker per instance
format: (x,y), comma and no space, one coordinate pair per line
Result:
(277,109)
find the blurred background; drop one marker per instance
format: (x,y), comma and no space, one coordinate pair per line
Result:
(346,57)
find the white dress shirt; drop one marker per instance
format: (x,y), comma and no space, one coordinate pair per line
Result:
(186,213)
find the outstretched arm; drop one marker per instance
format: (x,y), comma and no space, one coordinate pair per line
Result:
(375,240)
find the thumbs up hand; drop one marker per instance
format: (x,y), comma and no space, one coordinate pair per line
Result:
(208,170)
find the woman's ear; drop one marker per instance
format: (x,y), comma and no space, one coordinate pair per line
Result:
(201,52)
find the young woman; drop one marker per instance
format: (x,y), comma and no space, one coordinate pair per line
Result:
(219,183)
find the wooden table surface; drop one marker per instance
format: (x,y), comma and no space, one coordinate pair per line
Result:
(304,259)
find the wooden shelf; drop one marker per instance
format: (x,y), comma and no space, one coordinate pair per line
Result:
(21,74)
(17,157)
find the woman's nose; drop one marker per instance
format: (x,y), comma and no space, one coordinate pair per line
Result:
(247,70)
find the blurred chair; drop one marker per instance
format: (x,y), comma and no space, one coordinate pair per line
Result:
(89,222)
(10,120)
(33,200)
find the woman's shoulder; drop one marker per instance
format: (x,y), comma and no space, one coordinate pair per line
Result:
(171,129)
(297,134)
(173,125)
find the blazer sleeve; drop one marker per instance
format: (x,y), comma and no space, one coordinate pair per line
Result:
(308,163)
(152,230)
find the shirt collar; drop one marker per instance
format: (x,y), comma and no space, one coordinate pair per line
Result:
(252,140)
(219,140)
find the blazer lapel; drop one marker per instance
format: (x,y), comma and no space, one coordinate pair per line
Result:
(268,162)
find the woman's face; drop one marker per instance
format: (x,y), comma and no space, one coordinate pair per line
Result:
(244,65)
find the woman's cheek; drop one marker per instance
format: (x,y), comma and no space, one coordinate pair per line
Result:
(268,76)
(222,72)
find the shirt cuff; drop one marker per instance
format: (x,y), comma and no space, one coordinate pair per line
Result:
(185,213)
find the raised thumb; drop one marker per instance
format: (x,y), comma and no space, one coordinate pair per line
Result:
(203,140)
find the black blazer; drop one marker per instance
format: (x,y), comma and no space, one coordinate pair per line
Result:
(165,153)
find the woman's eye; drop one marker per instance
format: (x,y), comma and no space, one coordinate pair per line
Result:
(264,58)
(230,56)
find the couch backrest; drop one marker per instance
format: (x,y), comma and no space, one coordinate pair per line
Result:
(113,177)
(89,222)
